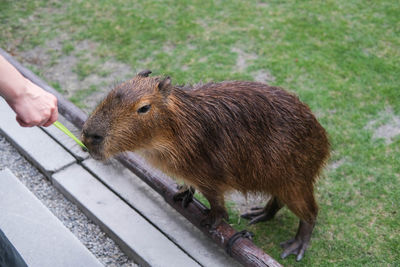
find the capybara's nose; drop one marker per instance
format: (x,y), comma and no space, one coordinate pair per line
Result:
(95,139)
(92,138)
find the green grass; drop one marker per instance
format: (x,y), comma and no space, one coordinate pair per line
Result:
(57,86)
(67,48)
(77,97)
(84,69)
(341,57)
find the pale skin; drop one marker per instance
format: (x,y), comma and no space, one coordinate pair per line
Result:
(32,105)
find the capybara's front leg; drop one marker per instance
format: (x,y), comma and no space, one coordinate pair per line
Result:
(217,211)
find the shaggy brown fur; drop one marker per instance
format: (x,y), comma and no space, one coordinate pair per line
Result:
(244,136)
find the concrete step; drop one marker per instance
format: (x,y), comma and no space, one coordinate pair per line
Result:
(40,238)
(154,208)
(135,235)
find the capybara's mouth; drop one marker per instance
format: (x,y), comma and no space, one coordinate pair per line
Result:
(94,151)
(96,155)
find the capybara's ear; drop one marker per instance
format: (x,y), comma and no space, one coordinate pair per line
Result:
(144,73)
(164,86)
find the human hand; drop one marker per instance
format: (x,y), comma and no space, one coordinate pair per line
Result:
(34,106)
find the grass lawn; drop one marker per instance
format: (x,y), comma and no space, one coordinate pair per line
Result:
(341,57)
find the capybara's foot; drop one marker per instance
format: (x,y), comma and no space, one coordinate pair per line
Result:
(185,194)
(299,244)
(294,246)
(257,214)
(214,218)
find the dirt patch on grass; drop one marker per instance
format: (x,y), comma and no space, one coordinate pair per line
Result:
(263,76)
(336,164)
(389,130)
(244,60)
(74,69)
(386,126)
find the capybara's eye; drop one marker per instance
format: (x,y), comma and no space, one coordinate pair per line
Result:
(144,109)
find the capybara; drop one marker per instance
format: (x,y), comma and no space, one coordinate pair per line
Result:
(217,137)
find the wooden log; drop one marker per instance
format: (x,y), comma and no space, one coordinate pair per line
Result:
(243,249)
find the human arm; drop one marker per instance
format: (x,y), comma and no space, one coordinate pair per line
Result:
(33,105)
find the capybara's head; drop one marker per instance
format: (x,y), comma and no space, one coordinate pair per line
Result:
(130,118)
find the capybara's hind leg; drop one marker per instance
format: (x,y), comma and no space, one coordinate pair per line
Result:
(306,209)
(299,244)
(259,214)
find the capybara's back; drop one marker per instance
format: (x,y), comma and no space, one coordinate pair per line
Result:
(216,137)
(261,138)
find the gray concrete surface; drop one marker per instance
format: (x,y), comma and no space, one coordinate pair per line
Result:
(40,238)
(89,233)
(47,155)
(154,208)
(145,243)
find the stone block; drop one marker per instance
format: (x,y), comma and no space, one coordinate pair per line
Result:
(152,206)
(40,238)
(134,234)
(38,147)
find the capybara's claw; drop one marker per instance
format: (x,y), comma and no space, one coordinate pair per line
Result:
(299,244)
(293,246)
(259,214)
(185,194)
(213,219)
(253,213)
(187,199)
(260,218)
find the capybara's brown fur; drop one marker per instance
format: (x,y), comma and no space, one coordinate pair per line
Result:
(216,137)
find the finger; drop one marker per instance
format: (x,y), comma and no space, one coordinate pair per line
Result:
(52,119)
(22,123)
(44,120)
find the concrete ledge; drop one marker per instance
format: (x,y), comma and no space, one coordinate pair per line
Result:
(136,236)
(33,143)
(40,238)
(153,207)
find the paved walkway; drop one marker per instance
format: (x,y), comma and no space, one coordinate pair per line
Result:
(145,227)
